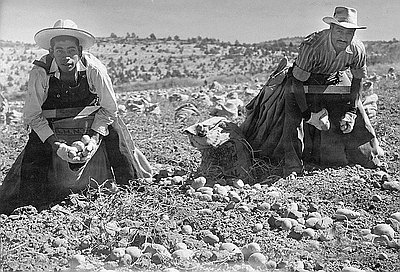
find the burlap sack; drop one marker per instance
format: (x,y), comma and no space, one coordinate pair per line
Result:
(225,152)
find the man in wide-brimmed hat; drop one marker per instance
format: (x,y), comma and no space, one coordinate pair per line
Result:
(336,130)
(70,95)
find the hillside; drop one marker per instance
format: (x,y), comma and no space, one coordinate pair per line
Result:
(155,63)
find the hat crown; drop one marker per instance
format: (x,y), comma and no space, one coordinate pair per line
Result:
(345,14)
(63,28)
(65,24)
(345,17)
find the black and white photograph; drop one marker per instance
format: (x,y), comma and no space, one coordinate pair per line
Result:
(200,135)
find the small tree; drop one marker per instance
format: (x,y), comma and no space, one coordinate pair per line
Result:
(113,35)
(152,36)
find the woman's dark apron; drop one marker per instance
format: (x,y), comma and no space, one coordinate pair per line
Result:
(39,176)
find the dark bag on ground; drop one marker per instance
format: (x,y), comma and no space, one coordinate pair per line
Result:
(224,151)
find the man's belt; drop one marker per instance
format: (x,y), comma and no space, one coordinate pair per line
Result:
(326,89)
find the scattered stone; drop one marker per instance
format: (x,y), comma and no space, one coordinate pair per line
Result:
(230,247)
(154,248)
(295,214)
(284,223)
(126,260)
(313,208)
(344,213)
(384,229)
(257,260)
(258,227)
(249,249)
(364,232)
(220,190)
(271,265)
(298,265)
(324,223)
(296,232)
(383,256)
(309,233)
(264,206)
(198,182)
(395,216)
(187,229)
(117,253)
(314,214)
(205,197)
(393,223)
(234,196)
(183,254)
(376,198)
(238,183)
(276,206)
(274,194)
(177,180)
(77,260)
(282,264)
(231,205)
(382,240)
(180,246)
(205,190)
(391,185)
(206,211)
(210,238)
(135,252)
(310,222)
(243,208)
(327,235)
(59,242)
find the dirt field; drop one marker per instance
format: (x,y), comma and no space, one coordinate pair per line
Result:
(107,229)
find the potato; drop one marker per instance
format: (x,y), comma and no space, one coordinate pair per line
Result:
(72,152)
(85,139)
(85,152)
(90,146)
(79,145)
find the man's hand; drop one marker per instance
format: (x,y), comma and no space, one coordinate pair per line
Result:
(347,122)
(54,142)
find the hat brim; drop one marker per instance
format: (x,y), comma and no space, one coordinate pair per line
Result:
(43,37)
(331,20)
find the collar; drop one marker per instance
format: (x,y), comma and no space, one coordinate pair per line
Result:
(331,48)
(80,67)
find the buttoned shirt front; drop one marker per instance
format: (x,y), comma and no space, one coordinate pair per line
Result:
(99,83)
(317,55)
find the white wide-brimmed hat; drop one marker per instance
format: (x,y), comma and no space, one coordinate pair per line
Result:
(63,27)
(345,17)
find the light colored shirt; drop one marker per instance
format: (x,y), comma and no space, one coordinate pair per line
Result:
(99,83)
(317,55)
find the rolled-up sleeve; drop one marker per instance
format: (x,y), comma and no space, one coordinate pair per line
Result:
(101,85)
(304,62)
(32,112)
(359,66)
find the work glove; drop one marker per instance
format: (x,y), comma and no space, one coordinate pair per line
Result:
(347,122)
(320,120)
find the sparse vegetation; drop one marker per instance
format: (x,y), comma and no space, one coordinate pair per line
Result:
(330,219)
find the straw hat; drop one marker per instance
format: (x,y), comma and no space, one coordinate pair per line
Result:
(345,17)
(63,27)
